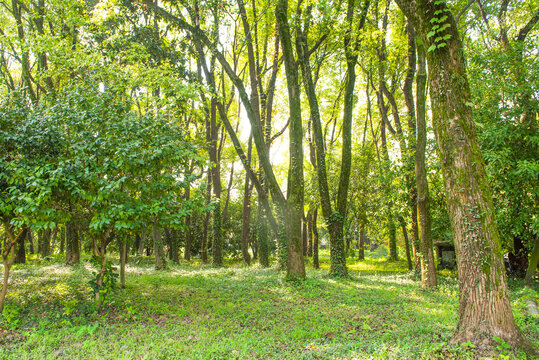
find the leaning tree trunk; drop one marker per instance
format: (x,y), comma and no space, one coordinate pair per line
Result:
(485,308)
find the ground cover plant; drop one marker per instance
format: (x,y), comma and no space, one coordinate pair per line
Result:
(196,311)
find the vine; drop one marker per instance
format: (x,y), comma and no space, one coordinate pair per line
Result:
(438,27)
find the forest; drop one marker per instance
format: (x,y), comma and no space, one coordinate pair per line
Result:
(269,179)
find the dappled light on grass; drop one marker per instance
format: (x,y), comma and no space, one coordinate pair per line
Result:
(201,312)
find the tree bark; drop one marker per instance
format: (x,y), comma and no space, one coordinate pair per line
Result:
(406,243)
(188,232)
(8,257)
(428,269)
(361,243)
(485,310)
(316,263)
(293,210)
(532,261)
(160,260)
(72,243)
(123,260)
(20,257)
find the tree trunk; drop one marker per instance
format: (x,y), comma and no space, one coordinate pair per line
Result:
(30,236)
(406,243)
(485,309)
(217,244)
(44,237)
(533,260)
(428,269)
(246,216)
(20,257)
(262,236)
(72,243)
(518,258)
(188,232)
(316,263)
(172,241)
(160,260)
(361,243)
(304,236)
(123,260)
(309,233)
(293,209)
(8,257)
(142,243)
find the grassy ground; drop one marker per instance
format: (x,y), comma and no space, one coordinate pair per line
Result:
(193,311)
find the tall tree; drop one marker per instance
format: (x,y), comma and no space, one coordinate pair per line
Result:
(485,309)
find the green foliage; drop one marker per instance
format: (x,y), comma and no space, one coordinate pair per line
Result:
(11,315)
(108,277)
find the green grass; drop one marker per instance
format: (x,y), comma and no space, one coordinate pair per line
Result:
(194,311)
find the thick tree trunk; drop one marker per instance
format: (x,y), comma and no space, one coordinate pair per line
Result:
(72,243)
(485,309)
(293,208)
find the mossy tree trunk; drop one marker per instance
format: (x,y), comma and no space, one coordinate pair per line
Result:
(485,310)
(293,208)
(428,269)
(334,217)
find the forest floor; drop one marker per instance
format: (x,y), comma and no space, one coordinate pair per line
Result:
(194,311)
